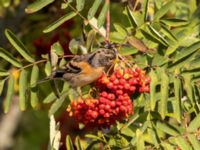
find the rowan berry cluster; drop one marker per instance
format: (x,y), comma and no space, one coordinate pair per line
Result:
(125,81)
(113,102)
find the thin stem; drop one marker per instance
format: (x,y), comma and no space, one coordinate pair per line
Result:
(108,21)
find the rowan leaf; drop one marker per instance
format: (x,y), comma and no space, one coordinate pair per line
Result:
(18,45)
(94,9)
(69,144)
(80,4)
(78,143)
(131,17)
(58,22)
(9,94)
(57,104)
(164,93)
(34,91)
(51,97)
(102,15)
(194,124)
(4,72)
(154,82)
(37,5)
(167,128)
(23,81)
(8,57)
(163,10)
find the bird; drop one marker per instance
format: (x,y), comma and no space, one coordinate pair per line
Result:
(85,69)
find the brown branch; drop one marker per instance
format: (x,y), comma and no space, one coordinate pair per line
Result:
(108,22)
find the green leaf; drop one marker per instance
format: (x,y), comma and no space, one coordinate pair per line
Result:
(9,94)
(189,89)
(57,104)
(164,93)
(154,137)
(177,92)
(186,52)
(163,10)
(174,22)
(131,17)
(127,51)
(1,86)
(23,81)
(194,124)
(34,78)
(51,97)
(154,82)
(102,15)
(4,72)
(80,4)
(94,9)
(122,31)
(69,144)
(48,68)
(91,37)
(11,59)
(57,48)
(18,45)
(139,140)
(193,140)
(78,143)
(182,143)
(53,58)
(58,22)
(93,24)
(167,146)
(34,98)
(37,5)
(158,35)
(168,33)
(145,10)
(34,75)
(167,128)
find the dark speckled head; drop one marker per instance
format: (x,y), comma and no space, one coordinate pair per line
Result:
(102,57)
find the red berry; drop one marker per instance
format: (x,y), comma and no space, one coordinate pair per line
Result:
(132,88)
(107,107)
(116,81)
(122,81)
(119,92)
(104,94)
(106,115)
(102,112)
(110,85)
(138,70)
(94,114)
(111,96)
(112,104)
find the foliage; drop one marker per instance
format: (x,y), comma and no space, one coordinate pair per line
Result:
(162,37)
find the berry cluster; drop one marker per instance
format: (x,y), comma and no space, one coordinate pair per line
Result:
(103,111)
(113,102)
(125,81)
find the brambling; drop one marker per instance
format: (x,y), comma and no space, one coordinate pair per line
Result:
(85,69)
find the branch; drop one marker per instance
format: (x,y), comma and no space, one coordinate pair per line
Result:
(108,22)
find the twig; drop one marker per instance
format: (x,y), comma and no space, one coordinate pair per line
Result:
(37,62)
(108,22)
